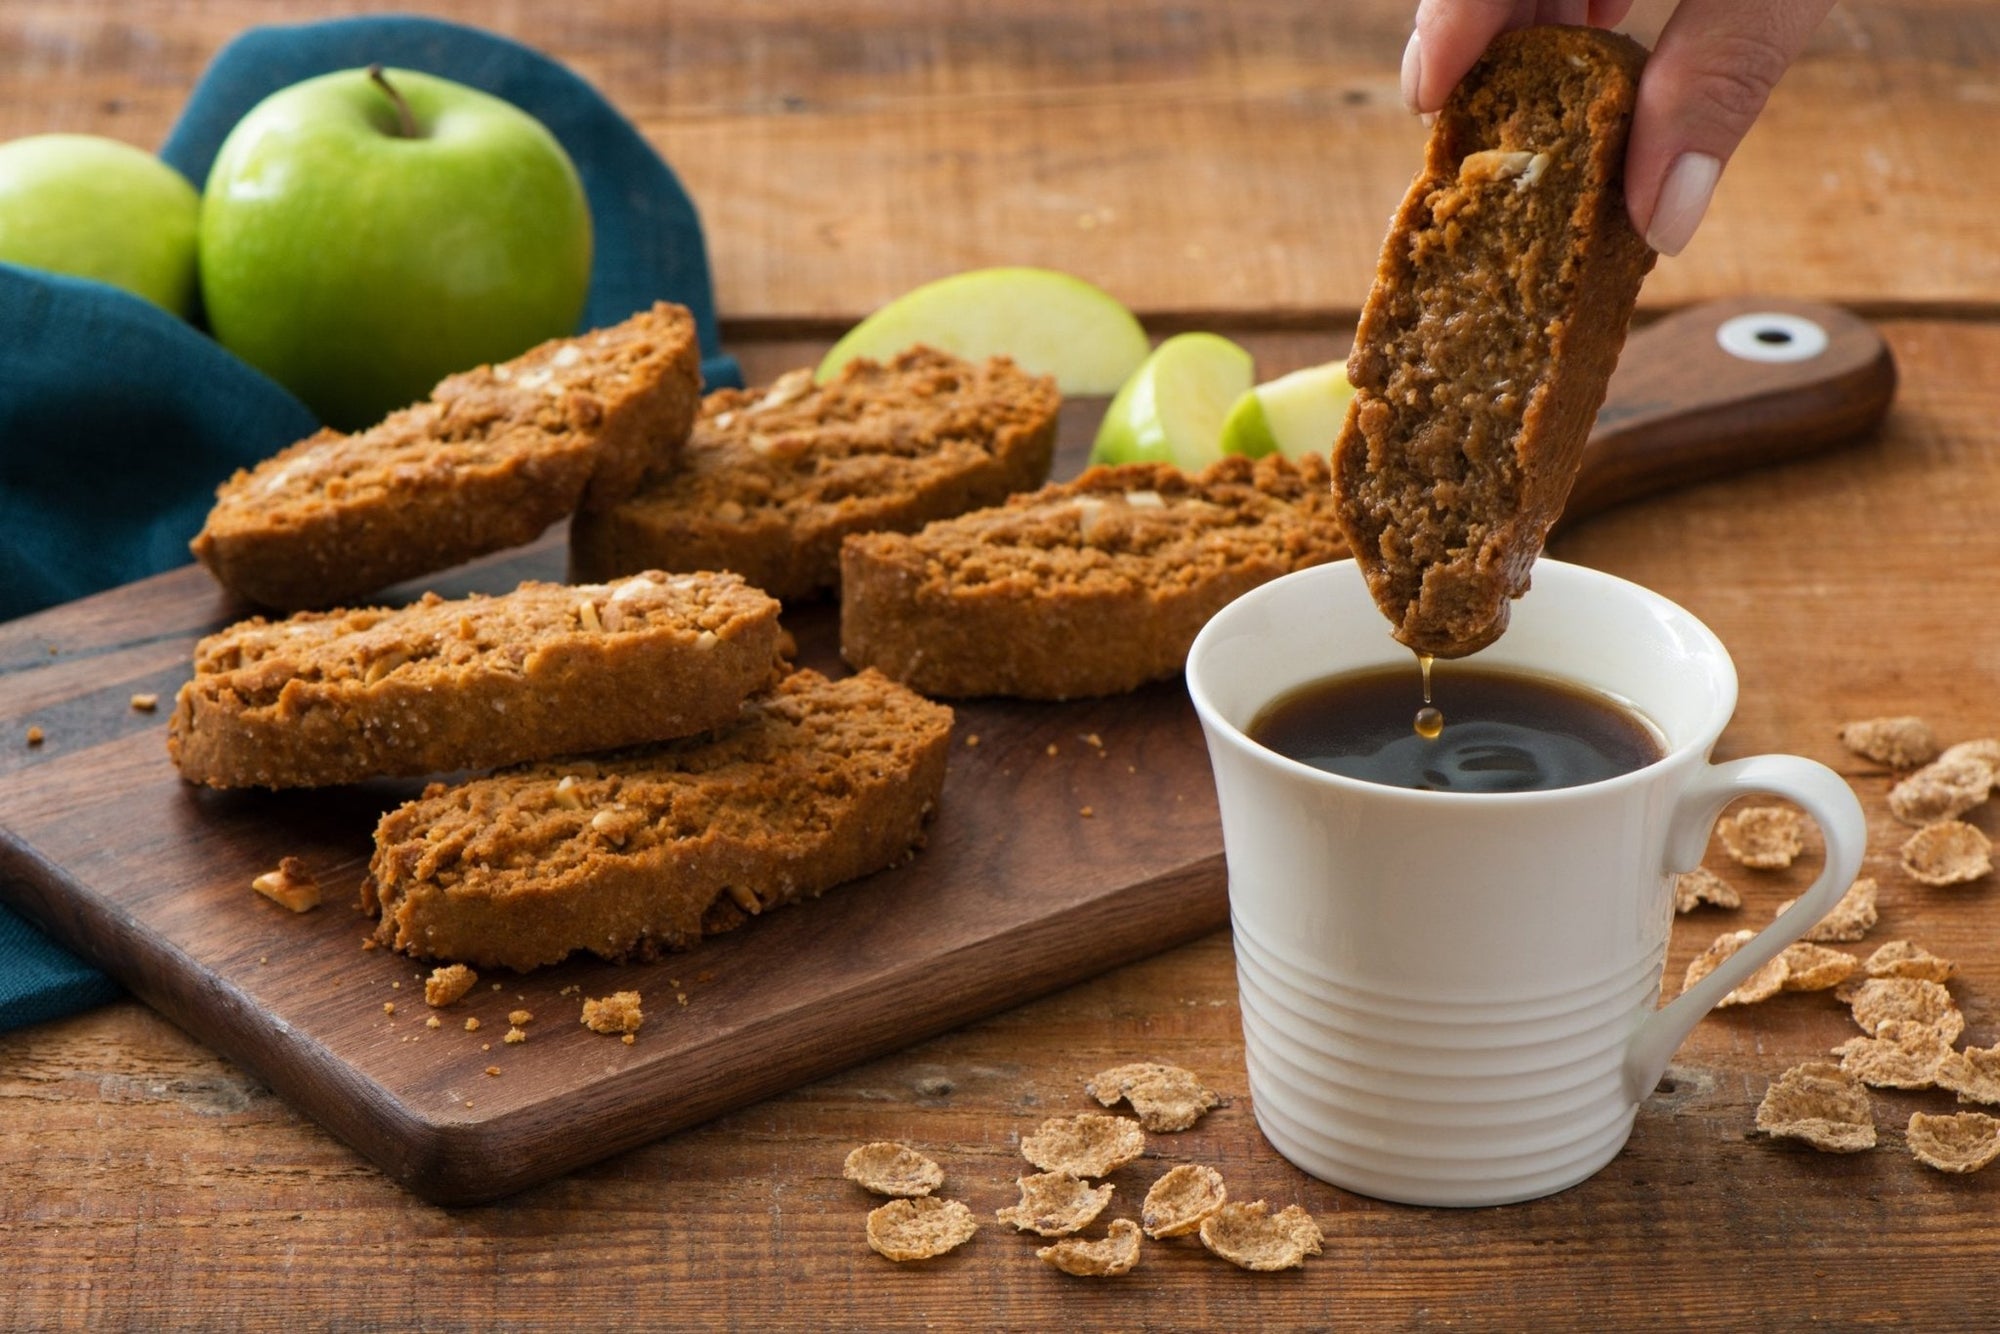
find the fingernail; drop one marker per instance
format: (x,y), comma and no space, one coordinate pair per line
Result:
(1684,197)
(1413,69)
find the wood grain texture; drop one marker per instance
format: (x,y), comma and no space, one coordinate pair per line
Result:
(1216,162)
(152,1182)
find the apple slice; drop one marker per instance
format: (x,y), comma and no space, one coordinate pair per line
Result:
(1048,322)
(1171,410)
(1295,414)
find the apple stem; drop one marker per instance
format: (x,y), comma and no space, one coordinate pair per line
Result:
(406,122)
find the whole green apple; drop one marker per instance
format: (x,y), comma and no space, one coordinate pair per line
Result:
(97,208)
(368,232)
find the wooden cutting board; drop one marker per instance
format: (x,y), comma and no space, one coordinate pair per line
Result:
(1070,838)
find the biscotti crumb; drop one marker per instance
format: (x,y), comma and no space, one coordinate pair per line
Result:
(433,1022)
(36,736)
(515,1036)
(471,1024)
(448,984)
(1086,812)
(388,1007)
(628,1039)
(145,703)
(493,1070)
(291,886)
(369,945)
(617,1013)
(519,1017)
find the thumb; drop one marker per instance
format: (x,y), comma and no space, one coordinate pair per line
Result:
(1709,77)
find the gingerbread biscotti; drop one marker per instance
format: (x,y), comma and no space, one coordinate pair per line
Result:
(438,686)
(1498,309)
(629,855)
(1090,587)
(489,461)
(772,479)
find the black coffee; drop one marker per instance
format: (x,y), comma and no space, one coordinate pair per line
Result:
(1502,731)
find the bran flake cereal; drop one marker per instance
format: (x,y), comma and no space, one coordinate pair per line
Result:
(1763,838)
(1821,1104)
(1984,749)
(1763,984)
(1906,958)
(887,1168)
(1901,1055)
(1850,919)
(1810,967)
(1902,742)
(1973,1074)
(919,1229)
(1055,1204)
(1941,790)
(1701,885)
(1117,1253)
(1165,1097)
(1088,1145)
(1958,1142)
(1181,1199)
(1949,852)
(448,984)
(1878,1000)
(1250,1237)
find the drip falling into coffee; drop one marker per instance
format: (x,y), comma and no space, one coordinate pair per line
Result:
(1509,732)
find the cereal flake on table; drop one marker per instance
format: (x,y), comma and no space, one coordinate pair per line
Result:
(1949,852)
(291,885)
(1701,885)
(1761,985)
(1906,958)
(1117,1253)
(1879,1000)
(1249,1236)
(1973,1074)
(1941,790)
(919,1229)
(888,1168)
(1820,1104)
(1901,742)
(1984,749)
(1088,1145)
(1056,1204)
(1851,919)
(617,1013)
(447,984)
(1901,1055)
(1810,967)
(1763,838)
(1181,1199)
(1955,1142)
(1165,1098)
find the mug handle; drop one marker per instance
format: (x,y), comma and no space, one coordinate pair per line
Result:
(1826,797)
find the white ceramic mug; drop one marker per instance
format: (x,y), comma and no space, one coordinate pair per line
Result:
(1452,998)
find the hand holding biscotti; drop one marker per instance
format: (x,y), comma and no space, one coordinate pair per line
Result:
(1714,65)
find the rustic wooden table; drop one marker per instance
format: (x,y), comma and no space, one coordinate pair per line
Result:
(1217,166)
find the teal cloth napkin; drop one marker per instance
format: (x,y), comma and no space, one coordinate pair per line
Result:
(117,420)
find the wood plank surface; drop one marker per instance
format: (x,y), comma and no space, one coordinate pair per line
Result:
(152,1182)
(1214,162)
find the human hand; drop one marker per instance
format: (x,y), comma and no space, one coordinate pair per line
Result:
(1715,64)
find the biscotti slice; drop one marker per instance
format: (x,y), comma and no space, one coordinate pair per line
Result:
(772,479)
(1090,587)
(489,461)
(629,855)
(438,686)
(1499,306)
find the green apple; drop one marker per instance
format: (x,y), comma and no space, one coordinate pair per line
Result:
(1295,414)
(98,208)
(1048,322)
(368,232)
(1171,409)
